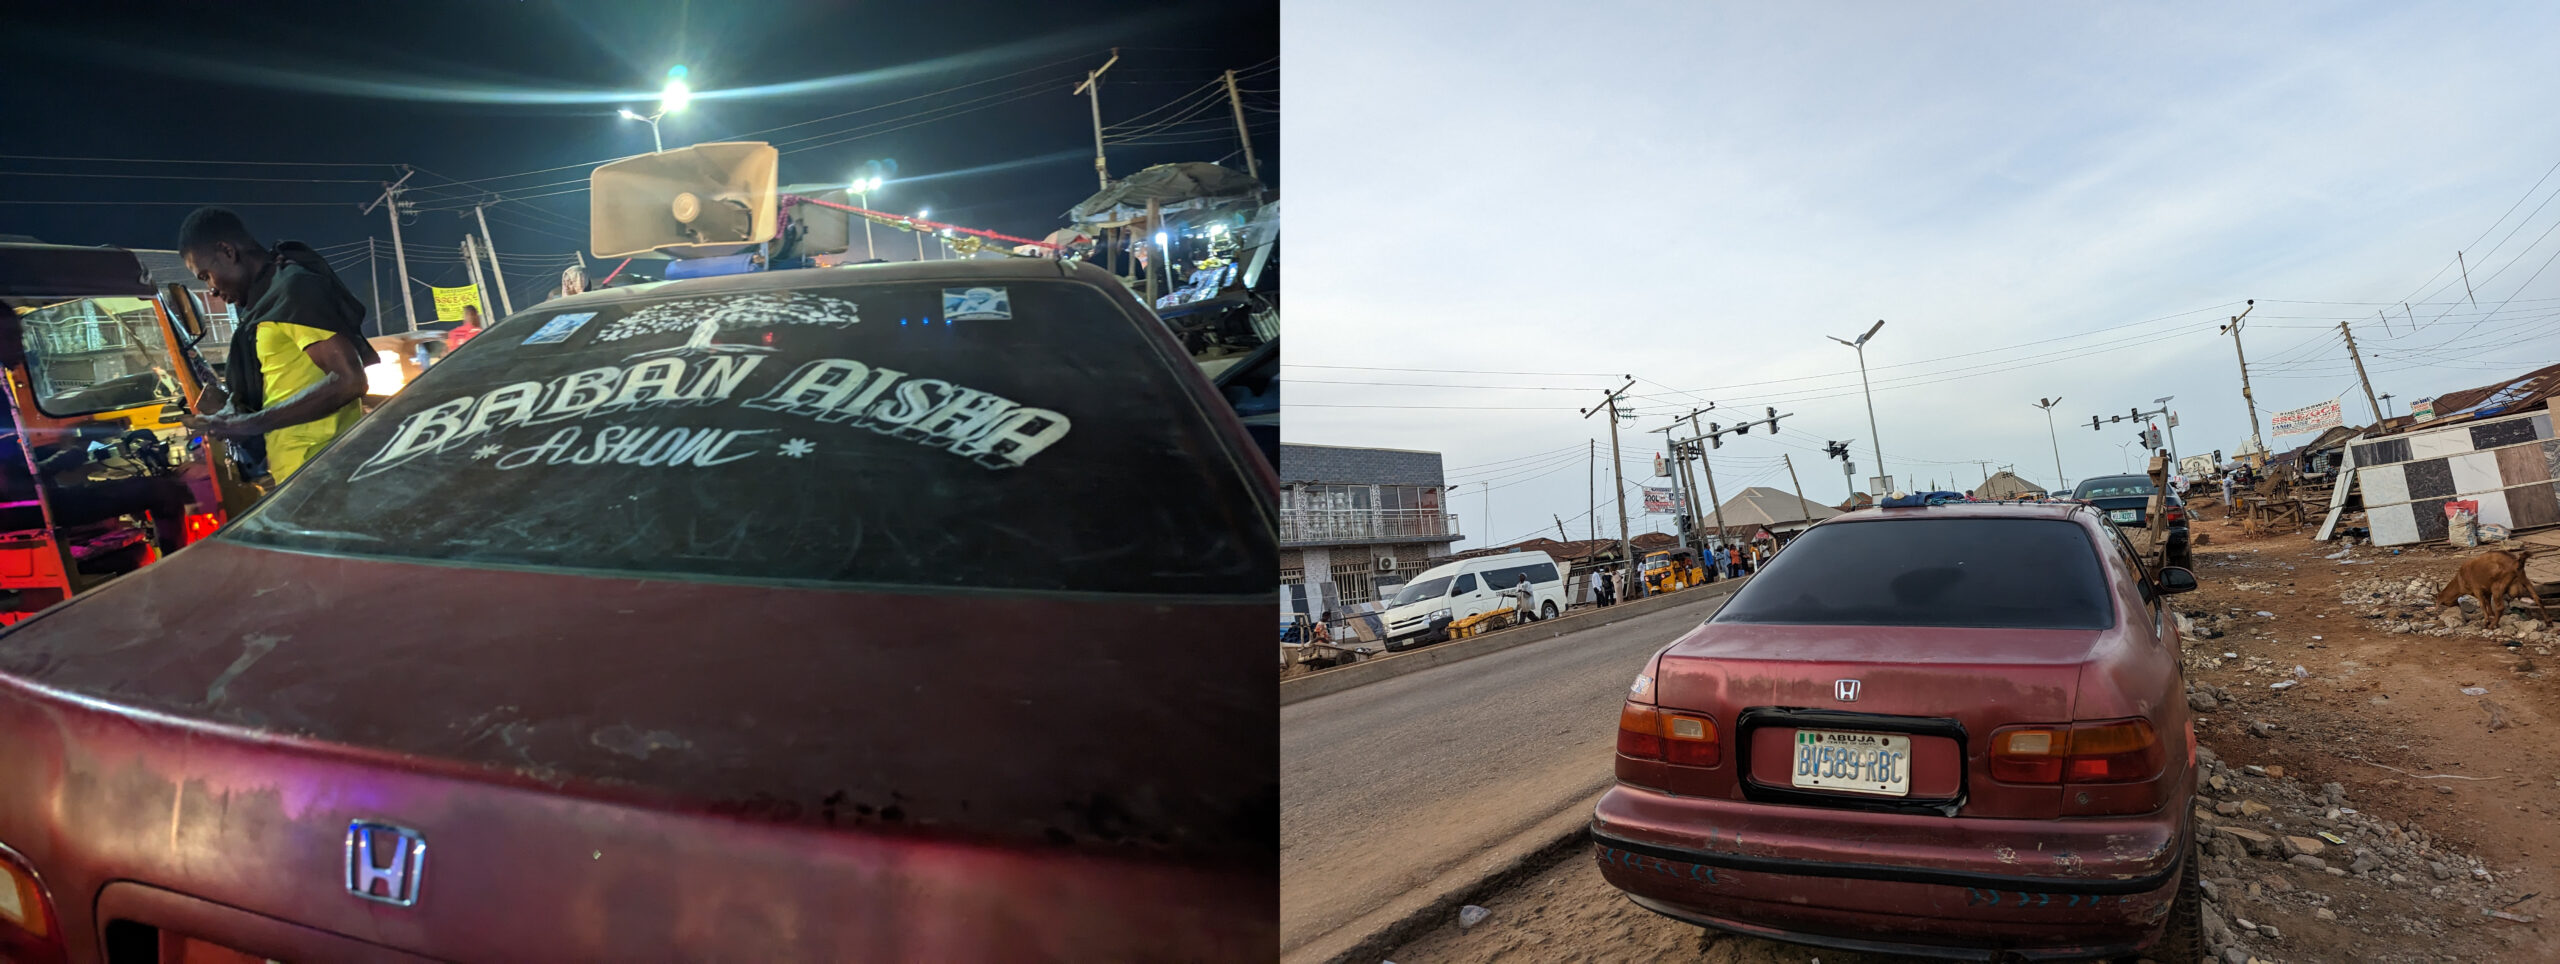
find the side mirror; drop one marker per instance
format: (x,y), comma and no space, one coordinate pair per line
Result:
(181,306)
(2174,580)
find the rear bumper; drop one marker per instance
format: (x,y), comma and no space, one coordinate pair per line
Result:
(1895,883)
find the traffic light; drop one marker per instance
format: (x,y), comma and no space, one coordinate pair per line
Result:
(2217,457)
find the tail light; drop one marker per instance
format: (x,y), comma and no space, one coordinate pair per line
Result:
(2177,515)
(28,930)
(2121,751)
(1671,736)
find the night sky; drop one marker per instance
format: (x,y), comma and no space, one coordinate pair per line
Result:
(327,98)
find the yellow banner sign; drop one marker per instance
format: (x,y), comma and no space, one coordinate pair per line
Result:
(449,301)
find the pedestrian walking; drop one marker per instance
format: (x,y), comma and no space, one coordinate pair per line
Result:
(1527,604)
(1602,591)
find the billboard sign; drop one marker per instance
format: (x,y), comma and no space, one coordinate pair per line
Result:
(2310,418)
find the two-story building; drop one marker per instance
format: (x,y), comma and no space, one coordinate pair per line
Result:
(1353,520)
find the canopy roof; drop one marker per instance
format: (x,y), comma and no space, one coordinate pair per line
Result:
(1763,506)
(1174,187)
(67,271)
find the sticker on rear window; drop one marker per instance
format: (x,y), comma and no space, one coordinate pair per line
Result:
(976,304)
(559,329)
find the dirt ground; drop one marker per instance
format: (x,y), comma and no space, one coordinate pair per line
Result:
(2445,797)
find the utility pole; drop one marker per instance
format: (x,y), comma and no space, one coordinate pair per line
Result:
(390,200)
(2258,457)
(492,247)
(1155,225)
(1236,100)
(1617,468)
(1560,536)
(1983,467)
(2360,376)
(2385,395)
(1697,518)
(1799,484)
(373,269)
(1591,486)
(1674,475)
(2466,280)
(479,285)
(1714,499)
(1092,89)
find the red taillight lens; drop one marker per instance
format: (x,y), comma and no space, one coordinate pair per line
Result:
(2177,515)
(2111,752)
(2120,752)
(200,526)
(1672,736)
(1640,731)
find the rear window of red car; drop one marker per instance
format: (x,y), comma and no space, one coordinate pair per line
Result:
(1016,436)
(1947,572)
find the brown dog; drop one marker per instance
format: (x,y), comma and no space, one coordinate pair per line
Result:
(2495,578)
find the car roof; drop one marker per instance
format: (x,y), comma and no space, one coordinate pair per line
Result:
(1963,510)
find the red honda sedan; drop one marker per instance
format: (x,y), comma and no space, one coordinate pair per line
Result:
(869,613)
(1953,731)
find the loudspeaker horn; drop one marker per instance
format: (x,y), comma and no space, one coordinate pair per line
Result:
(703,201)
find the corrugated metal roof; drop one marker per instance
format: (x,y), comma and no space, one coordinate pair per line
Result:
(2526,392)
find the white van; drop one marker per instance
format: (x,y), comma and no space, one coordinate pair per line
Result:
(1422,611)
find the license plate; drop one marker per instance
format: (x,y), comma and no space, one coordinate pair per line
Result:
(2125,515)
(1877,763)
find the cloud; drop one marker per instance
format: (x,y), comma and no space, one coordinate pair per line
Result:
(1697,194)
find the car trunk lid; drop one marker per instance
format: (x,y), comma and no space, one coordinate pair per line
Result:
(1047,719)
(1926,684)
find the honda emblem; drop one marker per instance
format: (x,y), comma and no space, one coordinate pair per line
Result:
(1845,691)
(384,862)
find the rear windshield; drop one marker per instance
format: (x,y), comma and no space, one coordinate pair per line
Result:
(2115,488)
(1026,438)
(1978,573)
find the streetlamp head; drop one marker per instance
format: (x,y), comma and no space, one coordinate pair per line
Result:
(629,114)
(875,182)
(673,99)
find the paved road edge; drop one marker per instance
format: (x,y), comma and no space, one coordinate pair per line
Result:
(1365,672)
(1371,937)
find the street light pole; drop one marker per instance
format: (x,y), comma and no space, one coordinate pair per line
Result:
(920,215)
(863,189)
(1861,346)
(671,99)
(2055,437)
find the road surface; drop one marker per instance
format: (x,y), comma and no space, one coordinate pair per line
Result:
(1387,786)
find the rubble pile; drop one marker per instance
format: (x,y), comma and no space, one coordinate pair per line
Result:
(2269,845)
(2408,606)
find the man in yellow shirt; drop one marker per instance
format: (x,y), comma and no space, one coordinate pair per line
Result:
(296,378)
